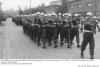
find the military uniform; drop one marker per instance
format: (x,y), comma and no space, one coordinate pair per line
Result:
(65,33)
(88,37)
(75,32)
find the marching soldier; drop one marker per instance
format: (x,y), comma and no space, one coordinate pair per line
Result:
(65,30)
(54,29)
(75,29)
(88,36)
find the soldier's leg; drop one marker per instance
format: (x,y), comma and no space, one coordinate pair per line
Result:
(91,47)
(39,33)
(55,40)
(24,29)
(62,39)
(72,37)
(98,27)
(54,32)
(84,44)
(50,39)
(81,29)
(35,35)
(68,38)
(78,38)
(32,35)
(44,39)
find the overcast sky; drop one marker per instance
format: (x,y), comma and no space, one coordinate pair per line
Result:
(14,4)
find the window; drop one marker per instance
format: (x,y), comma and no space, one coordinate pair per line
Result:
(79,5)
(69,0)
(89,0)
(89,4)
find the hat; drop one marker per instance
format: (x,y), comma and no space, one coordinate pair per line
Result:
(94,17)
(89,13)
(59,13)
(69,14)
(53,14)
(76,14)
(45,15)
(42,13)
(65,14)
(49,14)
(38,12)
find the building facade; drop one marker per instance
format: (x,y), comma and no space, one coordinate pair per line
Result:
(51,9)
(55,3)
(84,6)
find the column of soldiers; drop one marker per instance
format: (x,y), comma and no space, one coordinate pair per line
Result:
(17,20)
(60,29)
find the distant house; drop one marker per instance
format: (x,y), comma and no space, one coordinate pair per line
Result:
(83,6)
(59,6)
(51,9)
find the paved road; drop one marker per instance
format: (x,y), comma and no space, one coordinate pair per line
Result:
(15,45)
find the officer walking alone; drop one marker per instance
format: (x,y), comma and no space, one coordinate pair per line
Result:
(88,37)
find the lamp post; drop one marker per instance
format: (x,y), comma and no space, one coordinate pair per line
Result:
(0,5)
(30,6)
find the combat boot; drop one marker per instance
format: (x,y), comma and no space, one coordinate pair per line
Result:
(82,55)
(44,47)
(68,45)
(38,44)
(92,57)
(62,44)
(55,46)
(78,46)
(71,43)
(50,44)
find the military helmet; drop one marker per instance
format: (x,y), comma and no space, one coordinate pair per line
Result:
(69,14)
(46,15)
(59,14)
(89,13)
(76,14)
(38,13)
(53,14)
(42,14)
(94,17)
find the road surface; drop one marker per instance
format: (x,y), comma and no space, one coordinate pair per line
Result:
(15,45)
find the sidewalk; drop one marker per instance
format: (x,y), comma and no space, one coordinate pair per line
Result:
(2,39)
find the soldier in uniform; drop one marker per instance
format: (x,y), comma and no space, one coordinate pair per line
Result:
(88,36)
(54,30)
(58,25)
(82,19)
(75,29)
(41,31)
(65,30)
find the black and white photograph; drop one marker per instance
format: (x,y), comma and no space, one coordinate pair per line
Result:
(50,29)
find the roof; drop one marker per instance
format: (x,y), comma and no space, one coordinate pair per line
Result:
(52,6)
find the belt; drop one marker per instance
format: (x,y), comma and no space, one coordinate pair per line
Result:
(88,31)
